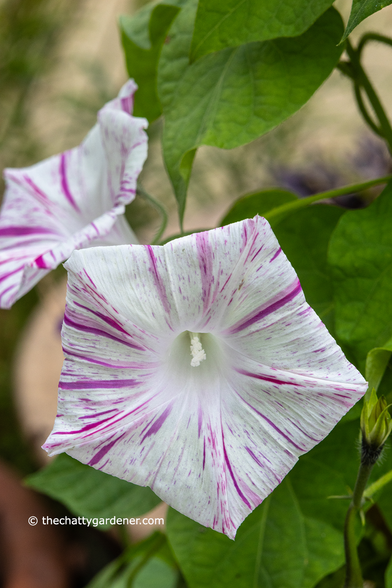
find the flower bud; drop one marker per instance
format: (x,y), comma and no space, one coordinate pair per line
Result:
(376,425)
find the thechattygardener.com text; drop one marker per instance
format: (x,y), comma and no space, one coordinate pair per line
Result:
(95,522)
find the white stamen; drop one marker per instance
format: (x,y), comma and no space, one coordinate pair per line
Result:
(197,351)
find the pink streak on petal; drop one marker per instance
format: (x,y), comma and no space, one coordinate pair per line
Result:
(276,255)
(96,414)
(157,279)
(127,104)
(106,319)
(227,461)
(303,432)
(199,421)
(19,231)
(205,265)
(158,423)
(40,262)
(85,428)
(291,292)
(130,366)
(5,276)
(257,252)
(98,384)
(89,278)
(267,378)
(302,449)
(103,451)
(37,191)
(64,182)
(68,321)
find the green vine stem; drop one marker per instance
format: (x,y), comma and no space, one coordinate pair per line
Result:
(353,568)
(274,214)
(345,67)
(158,206)
(372,37)
(361,79)
(364,112)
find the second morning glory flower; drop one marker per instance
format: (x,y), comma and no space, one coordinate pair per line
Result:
(198,369)
(72,200)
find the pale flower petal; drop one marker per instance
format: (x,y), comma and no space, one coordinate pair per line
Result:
(211,437)
(71,200)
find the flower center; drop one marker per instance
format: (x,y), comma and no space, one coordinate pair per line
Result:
(197,351)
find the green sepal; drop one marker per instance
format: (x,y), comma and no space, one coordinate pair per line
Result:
(376,422)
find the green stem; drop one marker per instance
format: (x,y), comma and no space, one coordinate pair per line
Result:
(380,483)
(364,111)
(158,206)
(360,484)
(372,37)
(156,545)
(362,79)
(353,568)
(303,202)
(346,68)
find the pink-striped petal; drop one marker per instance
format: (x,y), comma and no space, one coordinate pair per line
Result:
(72,200)
(214,437)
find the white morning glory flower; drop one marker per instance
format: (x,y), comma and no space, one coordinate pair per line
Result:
(197,369)
(71,200)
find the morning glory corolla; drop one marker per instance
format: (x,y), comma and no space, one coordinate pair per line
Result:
(197,368)
(71,200)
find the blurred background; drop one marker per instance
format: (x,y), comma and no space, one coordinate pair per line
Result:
(60,61)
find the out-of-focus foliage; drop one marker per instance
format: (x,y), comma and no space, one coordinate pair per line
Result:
(29,32)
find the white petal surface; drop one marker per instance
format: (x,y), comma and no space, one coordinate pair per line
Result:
(213,440)
(71,200)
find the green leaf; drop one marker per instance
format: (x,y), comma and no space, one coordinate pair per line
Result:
(148,564)
(231,97)
(376,363)
(220,25)
(174,60)
(156,574)
(360,258)
(90,493)
(143,36)
(304,237)
(360,10)
(293,539)
(256,203)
